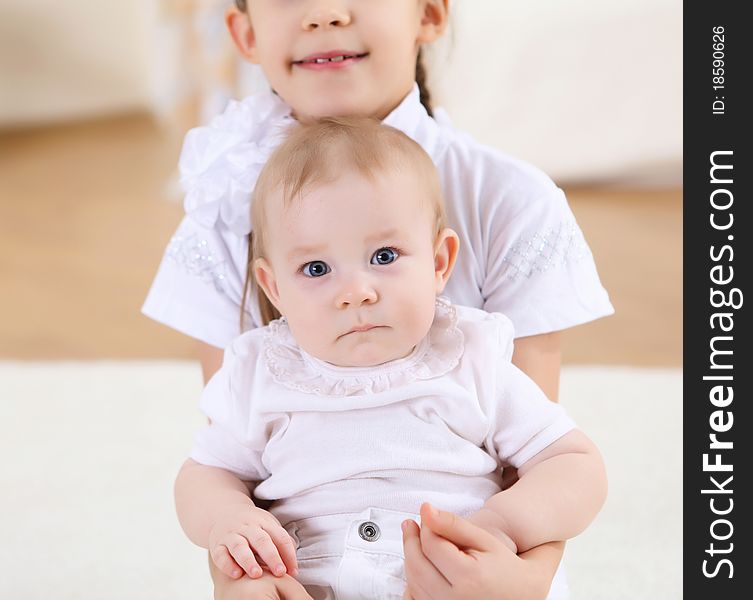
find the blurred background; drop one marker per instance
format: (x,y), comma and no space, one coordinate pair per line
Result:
(94,100)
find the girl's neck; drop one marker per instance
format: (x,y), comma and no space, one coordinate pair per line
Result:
(381,114)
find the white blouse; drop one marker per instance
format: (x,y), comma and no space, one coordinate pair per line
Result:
(522,252)
(434,426)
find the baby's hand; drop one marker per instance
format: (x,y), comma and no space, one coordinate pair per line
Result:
(246,532)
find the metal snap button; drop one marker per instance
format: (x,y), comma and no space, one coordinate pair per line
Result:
(369,531)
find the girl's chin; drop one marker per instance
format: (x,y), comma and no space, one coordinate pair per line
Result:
(313,113)
(333,105)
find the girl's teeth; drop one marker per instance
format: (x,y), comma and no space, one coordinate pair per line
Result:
(320,61)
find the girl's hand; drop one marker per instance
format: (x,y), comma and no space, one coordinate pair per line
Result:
(450,558)
(266,587)
(246,532)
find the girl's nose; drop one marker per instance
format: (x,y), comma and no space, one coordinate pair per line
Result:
(357,292)
(326,14)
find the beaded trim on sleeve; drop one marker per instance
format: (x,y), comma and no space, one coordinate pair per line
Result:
(545,249)
(195,257)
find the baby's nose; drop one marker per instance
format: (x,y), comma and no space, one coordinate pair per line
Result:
(357,293)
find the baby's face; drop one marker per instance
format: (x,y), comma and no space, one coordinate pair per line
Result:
(352,267)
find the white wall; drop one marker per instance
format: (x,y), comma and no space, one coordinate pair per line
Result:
(73,59)
(584,89)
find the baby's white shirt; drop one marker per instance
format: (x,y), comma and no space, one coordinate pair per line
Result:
(522,252)
(434,426)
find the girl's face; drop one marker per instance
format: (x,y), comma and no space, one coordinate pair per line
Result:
(338,57)
(355,266)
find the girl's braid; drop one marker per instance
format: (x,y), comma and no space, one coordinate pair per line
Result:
(423,89)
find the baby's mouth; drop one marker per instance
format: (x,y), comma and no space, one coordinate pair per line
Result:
(360,329)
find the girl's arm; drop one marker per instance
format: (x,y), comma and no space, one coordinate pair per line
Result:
(266,586)
(451,558)
(558,493)
(539,357)
(211,360)
(455,558)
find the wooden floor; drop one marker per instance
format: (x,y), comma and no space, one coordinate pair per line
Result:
(86,211)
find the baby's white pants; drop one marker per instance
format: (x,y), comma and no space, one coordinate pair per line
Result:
(359,556)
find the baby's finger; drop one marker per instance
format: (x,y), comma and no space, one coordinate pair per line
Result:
(265,548)
(285,546)
(243,555)
(225,563)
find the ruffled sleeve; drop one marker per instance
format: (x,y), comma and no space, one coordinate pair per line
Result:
(235,439)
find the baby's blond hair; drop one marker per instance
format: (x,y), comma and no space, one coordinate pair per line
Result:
(318,153)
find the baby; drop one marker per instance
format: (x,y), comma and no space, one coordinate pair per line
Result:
(372,394)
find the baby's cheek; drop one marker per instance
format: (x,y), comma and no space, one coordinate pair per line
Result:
(417,318)
(308,332)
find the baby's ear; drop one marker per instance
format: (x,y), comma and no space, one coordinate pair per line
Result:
(265,277)
(240,28)
(434,19)
(445,253)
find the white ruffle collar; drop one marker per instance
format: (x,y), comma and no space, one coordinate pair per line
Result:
(437,354)
(220,163)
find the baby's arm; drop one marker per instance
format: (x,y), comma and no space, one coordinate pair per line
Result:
(559,492)
(216,511)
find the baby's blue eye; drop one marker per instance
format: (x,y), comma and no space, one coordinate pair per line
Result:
(316,268)
(384,256)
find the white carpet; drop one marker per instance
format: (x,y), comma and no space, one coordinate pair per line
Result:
(90,451)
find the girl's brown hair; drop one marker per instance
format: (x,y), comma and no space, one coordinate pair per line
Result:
(318,153)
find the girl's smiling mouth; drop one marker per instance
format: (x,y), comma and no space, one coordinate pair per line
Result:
(334,59)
